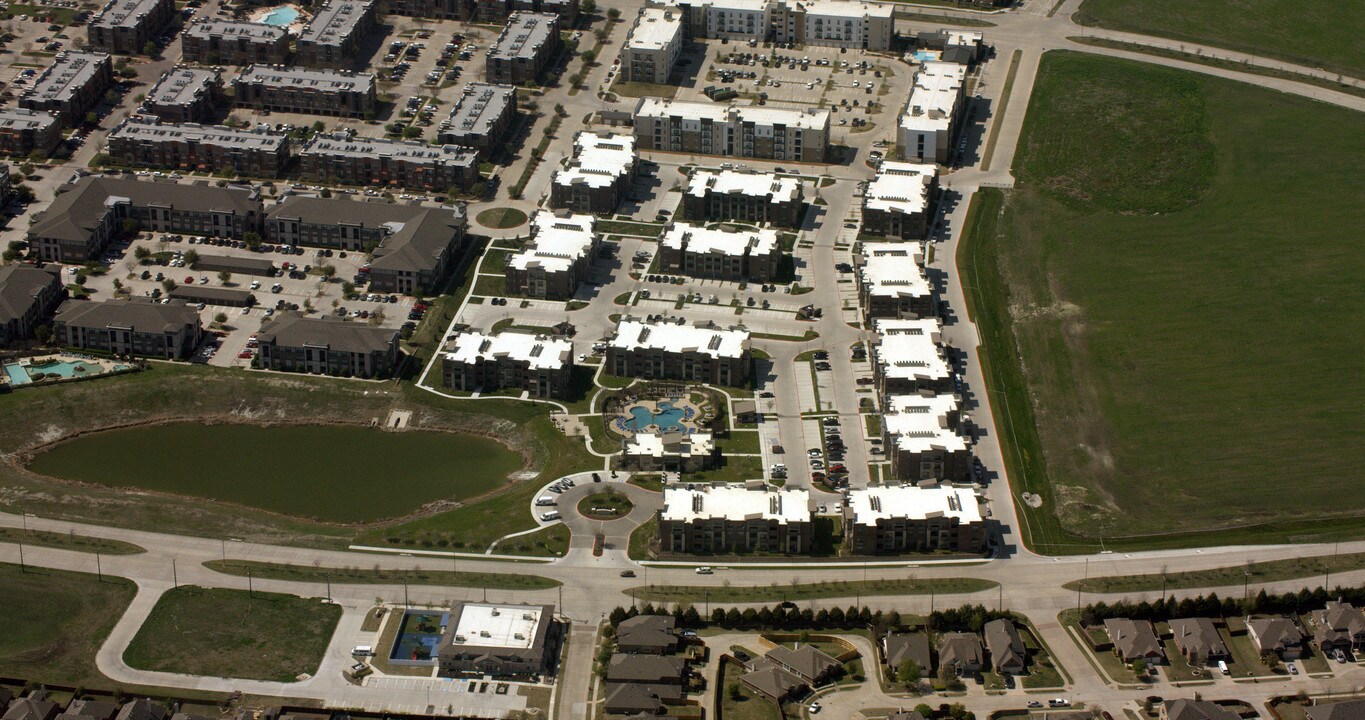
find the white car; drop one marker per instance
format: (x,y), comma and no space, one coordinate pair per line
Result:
(813,708)
(704,570)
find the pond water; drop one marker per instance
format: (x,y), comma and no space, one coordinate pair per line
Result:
(338,474)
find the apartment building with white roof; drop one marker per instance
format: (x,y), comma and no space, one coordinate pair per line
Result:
(908,518)
(745,195)
(599,176)
(922,439)
(934,114)
(892,283)
(737,256)
(900,200)
(653,45)
(909,357)
(834,23)
(669,451)
(662,350)
(735,519)
(734,130)
(538,365)
(556,259)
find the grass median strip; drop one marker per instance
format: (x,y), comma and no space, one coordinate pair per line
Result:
(1257,572)
(808,591)
(372,576)
(69,541)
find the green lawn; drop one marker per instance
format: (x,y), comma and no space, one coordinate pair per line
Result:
(228,633)
(1316,33)
(364,576)
(55,622)
(605,505)
(640,539)
(69,541)
(1260,572)
(1135,259)
(809,591)
(740,441)
(730,469)
(501,218)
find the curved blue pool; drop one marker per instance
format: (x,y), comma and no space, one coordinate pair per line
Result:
(280,16)
(667,417)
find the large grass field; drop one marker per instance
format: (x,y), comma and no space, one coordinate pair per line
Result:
(230,633)
(1316,33)
(54,622)
(1179,363)
(1313,568)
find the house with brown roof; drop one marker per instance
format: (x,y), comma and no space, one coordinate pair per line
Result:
(772,681)
(91,710)
(899,647)
(30,708)
(639,699)
(905,715)
(141,709)
(1198,640)
(807,662)
(960,651)
(1008,654)
(1183,709)
(1134,640)
(28,296)
(1276,634)
(647,635)
(1339,626)
(1345,710)
(647,669)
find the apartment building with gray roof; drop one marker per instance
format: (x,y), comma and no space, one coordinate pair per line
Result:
(185,94)
(480,117)
(138,326)
(327,346)
(73,84)
(342,159)
(332,39)
(232,42)
(303,90)
(524,49)
(22,131)
(28,296)
(125,26)
(190,146)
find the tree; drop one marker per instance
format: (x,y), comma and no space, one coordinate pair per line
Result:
(328,271)
(1140,667)
(947,676)
(91,118)
(252,239)
(909,673)
(613,14)
(141,252)
(224,277)
(319,126)
(560,111)
(411,132)
(37,156)
(26,169)
(588,6)
(600,34)
(191,257)
(43,333)
(588,57)
(735,693)
(347,288)
(326,192)
(149,48)
(220,318)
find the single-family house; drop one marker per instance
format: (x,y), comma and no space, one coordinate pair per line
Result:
(1134,640)
(1198,640)
(960,651)
(1276,634)
(1008,654)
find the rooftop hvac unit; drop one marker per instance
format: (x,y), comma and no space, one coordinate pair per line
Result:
(527,616)
(518,636)
(485,633)
(496,612)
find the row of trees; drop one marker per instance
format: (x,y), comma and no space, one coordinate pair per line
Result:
(1211,605)
(968,618)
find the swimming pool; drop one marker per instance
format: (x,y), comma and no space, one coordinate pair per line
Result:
(20,375)
(279,17)
(666,416)
(926,55)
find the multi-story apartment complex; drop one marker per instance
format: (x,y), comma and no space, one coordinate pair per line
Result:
(672,451)
(125,26)
(82,220)
(23,131)
(332,39)
(739,256)
(538,365)
(28,295)
(899,202)
(524,49)
(652,47)
(139,326)
(735,519)
(184,94)
(892,283)
(230,42)
(394,163)
(743,195)
(922,439)
(556,259)
(327,346)
(668,351)
(189,146)
(909,357)
(486,11)
(933,116)
(300,90)
(834,23)
(73,84)
(413,248)
(734,131)
(918,519)
(598,176)
(480,117)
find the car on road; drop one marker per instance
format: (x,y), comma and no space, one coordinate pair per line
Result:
(1059,702)
(627,573)
(813,708)
(704,570)
(1034,704)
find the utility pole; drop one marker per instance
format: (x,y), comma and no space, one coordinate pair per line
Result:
(175,579)
(99,572)
(405,593)
(1327,581)
(223,542)
(1078,587)
(328,578)
(249,591)
(23,568)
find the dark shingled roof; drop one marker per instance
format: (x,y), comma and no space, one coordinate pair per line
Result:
(1197,710)
(75,213)
(292,329)
(645,668)
(142,317)
(419,234)
(807,661)
(1133,638)
(1007,648)
(18,286)
(908,646)
(1345,710)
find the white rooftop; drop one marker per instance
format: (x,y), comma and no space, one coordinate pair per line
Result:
(679,445)
(637,335)
(901,187)
(556,242)
(537,351)
(655,29)
(598,160)
(846,9)
(488,625)
(894,270)
(738,5)
(909,349)
(754,184)
(736,503)
(919,423)
(917,503)
(934,96)
(723,242)
(812,119)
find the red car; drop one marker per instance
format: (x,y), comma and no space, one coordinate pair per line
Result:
(245,354)
(189,280)
(838,468)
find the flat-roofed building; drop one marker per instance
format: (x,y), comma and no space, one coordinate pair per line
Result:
(922,440)
(333,38)
(433,9)
(232,42)
(347,160)
(480,117)
(129,327)
(672,451)
(834,23)
(737,256)
(83,218)
(909,357)
(965,47)
(502,640)
(539,365)
(744,195)
(125,26)
(934,114)
(303,90)
(669,351)
(413,248)
(327,346)
(733,19)
(22,131)
(28,296)
(735,519)
(899,202)
(652,47)
(734,131)
(184,95)
(599,176)
(892,283)
(903,518)
(524,49)
(190,146)
(73,84)
(556,259)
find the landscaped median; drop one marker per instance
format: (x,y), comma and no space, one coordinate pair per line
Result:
(69,541)
(363,576)
(1258,572)
(808,591)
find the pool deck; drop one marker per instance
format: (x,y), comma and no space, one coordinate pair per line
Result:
(688,422)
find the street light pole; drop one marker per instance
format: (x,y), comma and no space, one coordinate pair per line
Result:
(175,579)
(99,572)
